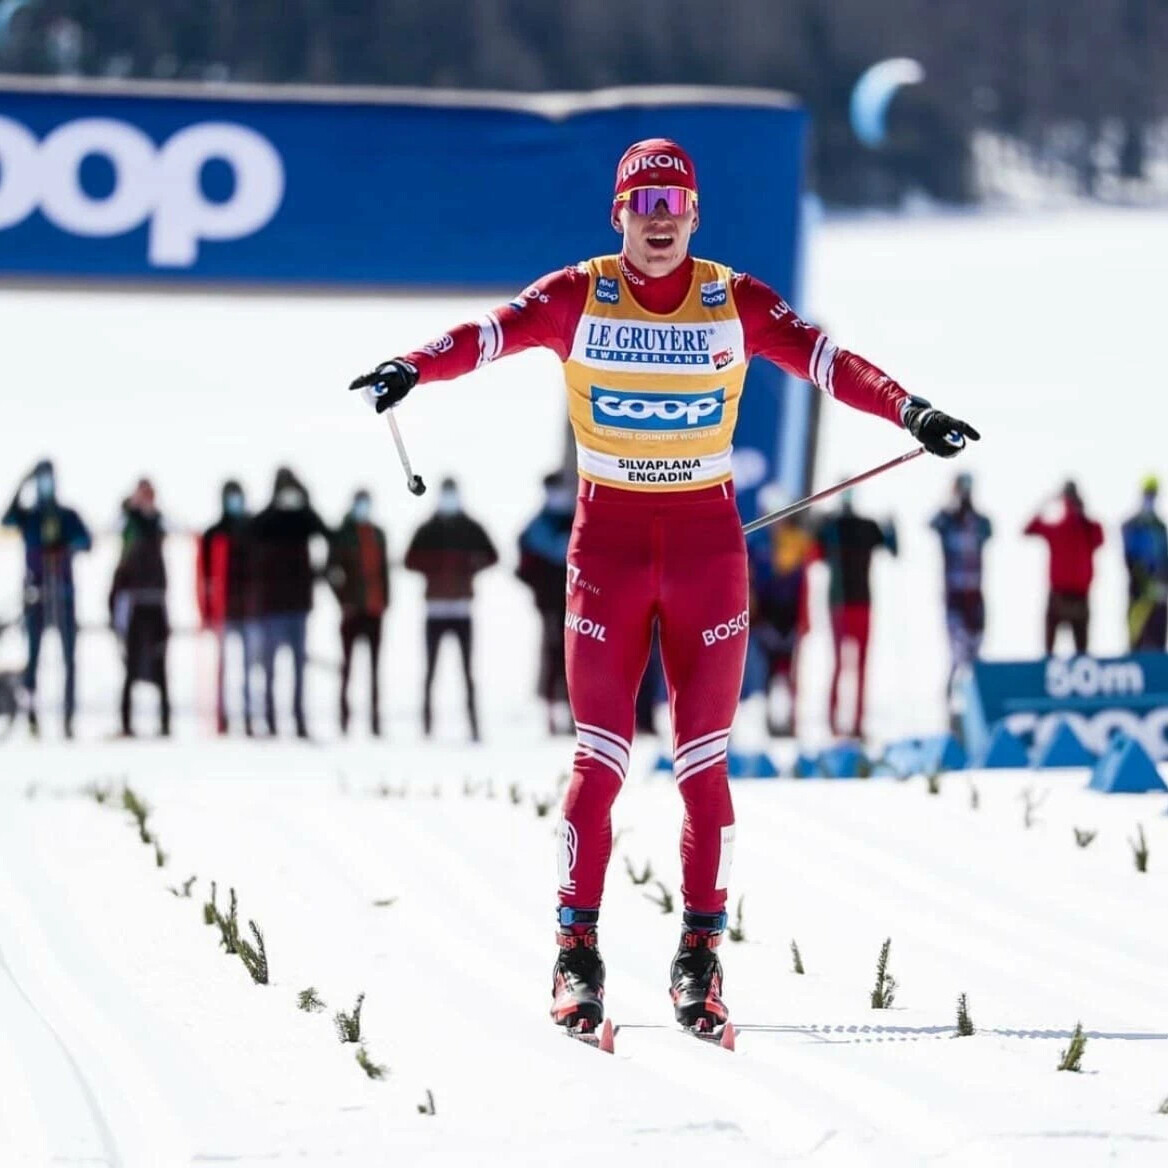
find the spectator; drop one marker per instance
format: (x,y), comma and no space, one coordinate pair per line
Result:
(137,603)
(1072,540)
(1145,551)
(358,573)
(284,578)
(225,585)
(543,567)
(449,549)
(846,541)
(964,532)
(52,535)
(779,562)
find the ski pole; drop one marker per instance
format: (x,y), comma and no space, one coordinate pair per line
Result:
(828,492)
(413,481)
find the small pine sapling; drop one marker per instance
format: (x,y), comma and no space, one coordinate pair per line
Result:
(974,797)
(663,900)
(99,792)
(933,783)
(737,931)
(964,1021)
(210,908)
(372,1069)
(515,794)
(885,989)
(1073,1055)
(642,877)
(160,857)
(796,958)
(229,927)
(255,959)
(385,902)
(427,1108)
(1163,1108)
(139,811)
(1083,838)
(349,1025)
(1139,850)
(542,804)
(187,885)
(309,1001)
(1030,804)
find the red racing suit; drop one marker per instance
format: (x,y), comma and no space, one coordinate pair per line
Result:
(656,538)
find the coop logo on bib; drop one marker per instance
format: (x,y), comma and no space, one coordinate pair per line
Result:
(608,290)
(676,411)
(714,293)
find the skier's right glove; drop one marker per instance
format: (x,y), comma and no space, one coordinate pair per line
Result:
(387,384)
(937,432)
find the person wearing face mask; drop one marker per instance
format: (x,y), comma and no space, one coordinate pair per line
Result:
(225,587)
(449,549)
(52,535)
(1145,552)
(358,573)
(137,603)
(1073,539)
(964,532)
(846,541)
(543,567)
(655,344)
(284,576)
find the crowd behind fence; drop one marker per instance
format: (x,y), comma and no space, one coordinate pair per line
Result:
(257,570)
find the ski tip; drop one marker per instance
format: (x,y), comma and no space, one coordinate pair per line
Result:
(607,1035)
(729,1035)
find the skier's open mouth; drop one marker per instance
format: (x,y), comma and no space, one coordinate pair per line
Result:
(660,242)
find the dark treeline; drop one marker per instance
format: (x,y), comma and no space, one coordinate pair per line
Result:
(1053,74)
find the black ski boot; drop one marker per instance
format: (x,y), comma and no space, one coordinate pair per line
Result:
(696,976)
(578,975)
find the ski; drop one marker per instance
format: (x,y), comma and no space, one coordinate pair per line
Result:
(724,1036)
(602,1039)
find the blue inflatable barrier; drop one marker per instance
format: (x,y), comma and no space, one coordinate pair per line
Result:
(1063,749)
(1003,751)
(806,767)
(904,757)
(1126,769)
(942,752)
(845,760)
(751,764)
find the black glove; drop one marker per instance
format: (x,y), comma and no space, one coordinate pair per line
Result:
(937,432)
(387,384)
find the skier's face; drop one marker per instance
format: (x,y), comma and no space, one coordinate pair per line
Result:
(657,242)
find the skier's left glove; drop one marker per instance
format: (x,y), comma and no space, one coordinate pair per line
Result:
(387,384)
(937,432)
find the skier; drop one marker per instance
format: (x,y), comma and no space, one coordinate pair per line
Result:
(964,532)
(655,345)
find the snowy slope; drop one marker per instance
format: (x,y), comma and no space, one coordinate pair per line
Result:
(130,1039)
(127,1038)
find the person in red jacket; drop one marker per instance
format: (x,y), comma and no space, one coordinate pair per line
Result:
(1073,540)
(655,345)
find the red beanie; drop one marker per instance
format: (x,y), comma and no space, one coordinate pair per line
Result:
(655,162)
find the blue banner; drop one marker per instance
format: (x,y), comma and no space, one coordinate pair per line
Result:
(1095,696)
(438,191)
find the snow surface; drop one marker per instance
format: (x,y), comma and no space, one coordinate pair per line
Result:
(126,1036)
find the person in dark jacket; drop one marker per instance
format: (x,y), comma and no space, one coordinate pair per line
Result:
(964,532)
(281,534)
(358,573)
(449,549)
(137,602)
(543,567)
(52,536)
(779,558)
(1073,540)
(846,542)
(225,587)
(1145,551)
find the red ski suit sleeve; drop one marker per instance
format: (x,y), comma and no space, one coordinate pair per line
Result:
(546,314)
